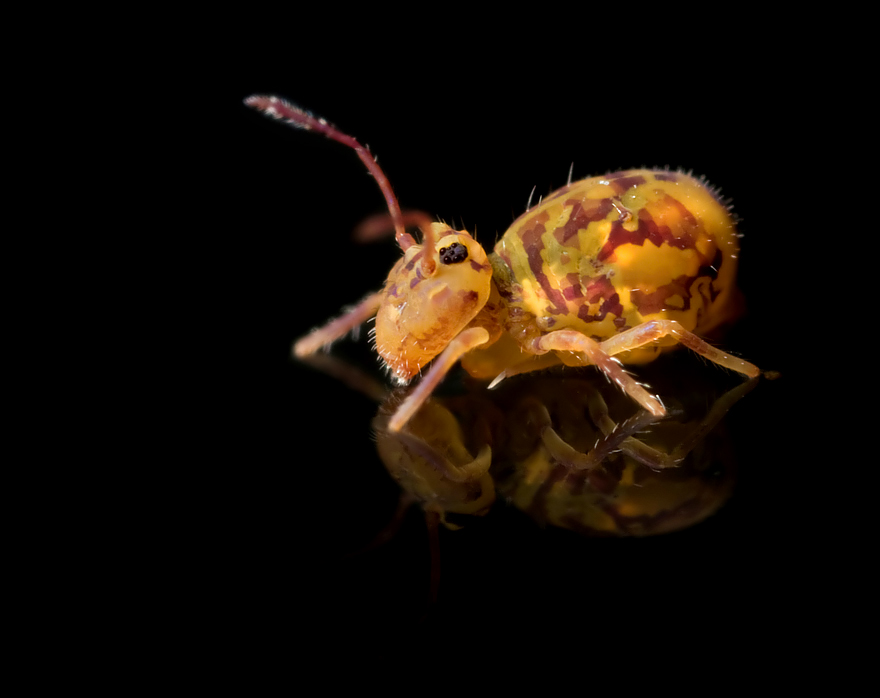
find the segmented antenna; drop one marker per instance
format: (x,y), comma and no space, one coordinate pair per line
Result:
(292,115)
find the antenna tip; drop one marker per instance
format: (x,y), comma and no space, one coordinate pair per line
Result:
(260,102)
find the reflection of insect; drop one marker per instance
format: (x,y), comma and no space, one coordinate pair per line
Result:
(574,456)
(567,450)
(570,452)
(607,270)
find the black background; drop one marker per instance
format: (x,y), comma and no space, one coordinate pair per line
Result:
(465,140)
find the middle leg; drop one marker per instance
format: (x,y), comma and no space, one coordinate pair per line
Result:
(595,354)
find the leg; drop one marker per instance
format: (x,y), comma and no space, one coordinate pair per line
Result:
(572,340)
(460,345)
(655,329)
(532,363)
(333,330)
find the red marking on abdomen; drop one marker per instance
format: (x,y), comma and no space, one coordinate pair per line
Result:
(600,289)
(649,230)
(582,214)
(620,181)
(533,244)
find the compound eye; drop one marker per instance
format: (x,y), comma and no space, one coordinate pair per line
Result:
(454,254)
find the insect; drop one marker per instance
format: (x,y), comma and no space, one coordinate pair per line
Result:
(607,271)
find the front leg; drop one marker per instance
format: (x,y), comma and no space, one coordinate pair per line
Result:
(341,326)
(461,344)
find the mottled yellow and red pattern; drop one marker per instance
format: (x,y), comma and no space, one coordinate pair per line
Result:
(419,315)
(609,253)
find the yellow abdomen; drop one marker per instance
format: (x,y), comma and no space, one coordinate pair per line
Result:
(608,253)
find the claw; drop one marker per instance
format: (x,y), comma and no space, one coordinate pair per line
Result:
(500,377)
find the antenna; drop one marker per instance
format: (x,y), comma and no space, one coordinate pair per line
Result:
(292,115)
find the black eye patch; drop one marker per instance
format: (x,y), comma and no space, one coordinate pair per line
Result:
(454,254)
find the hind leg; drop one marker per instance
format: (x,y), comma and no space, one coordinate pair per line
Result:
(601,355)
(656,329)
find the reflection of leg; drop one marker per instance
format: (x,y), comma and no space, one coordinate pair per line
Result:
(706,424)
(432,521)
(466,473)
(614,435)
(341,326)
(621,436)
(392,527)
(656,329)
(658,460)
